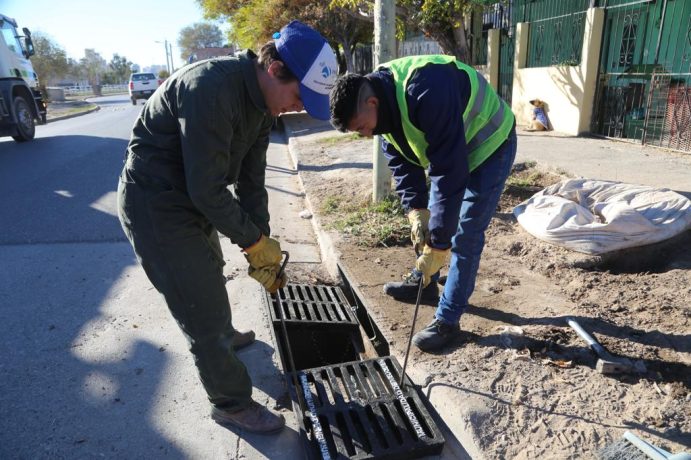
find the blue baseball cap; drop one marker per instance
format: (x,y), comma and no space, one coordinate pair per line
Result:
(309,56)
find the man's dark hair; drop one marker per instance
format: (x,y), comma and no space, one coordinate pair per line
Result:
(344,100)
(268,54)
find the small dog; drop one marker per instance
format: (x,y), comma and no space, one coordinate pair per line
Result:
(539,121)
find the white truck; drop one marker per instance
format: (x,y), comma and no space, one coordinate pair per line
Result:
(21,104)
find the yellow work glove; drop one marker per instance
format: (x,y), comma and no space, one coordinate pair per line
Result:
(419,228)
(264,258)
(430,262)
(267,278)
(264,253)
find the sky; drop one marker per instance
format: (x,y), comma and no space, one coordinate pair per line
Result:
(130,28)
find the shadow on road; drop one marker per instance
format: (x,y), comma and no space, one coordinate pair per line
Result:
(75,381)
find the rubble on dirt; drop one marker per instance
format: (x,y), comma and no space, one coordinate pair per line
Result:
(534,394)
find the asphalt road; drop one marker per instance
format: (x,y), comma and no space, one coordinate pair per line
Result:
(92,364)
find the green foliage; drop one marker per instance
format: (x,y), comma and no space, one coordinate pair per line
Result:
(93,66)
(50,61)
(199,35)
(254,21)
(120,68)
(441,20)
(163,74)
(371,224)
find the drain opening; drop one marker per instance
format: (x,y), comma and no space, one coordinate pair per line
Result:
(349,406)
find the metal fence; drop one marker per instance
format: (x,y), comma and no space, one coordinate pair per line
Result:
(478,50)
(555,35)
(87,90)
(644,87)
(362,56)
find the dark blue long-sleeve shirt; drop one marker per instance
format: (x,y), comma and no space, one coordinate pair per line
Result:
(437,96)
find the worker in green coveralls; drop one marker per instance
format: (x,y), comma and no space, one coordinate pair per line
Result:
(205,129)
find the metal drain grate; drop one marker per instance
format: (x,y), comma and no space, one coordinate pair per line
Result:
(357,410)
(318,305)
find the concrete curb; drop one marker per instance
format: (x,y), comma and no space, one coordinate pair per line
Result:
(73,115)
(327,247)
(460,443)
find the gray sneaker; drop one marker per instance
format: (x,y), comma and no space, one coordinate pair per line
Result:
(242,338)
(255,418)
(435,335)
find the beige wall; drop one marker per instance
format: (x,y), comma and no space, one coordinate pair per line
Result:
(483,70)
(567,90)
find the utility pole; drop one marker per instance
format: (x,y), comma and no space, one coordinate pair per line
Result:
(172,65)
(384,50)
(165,45)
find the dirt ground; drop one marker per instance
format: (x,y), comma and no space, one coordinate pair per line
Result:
(531,384)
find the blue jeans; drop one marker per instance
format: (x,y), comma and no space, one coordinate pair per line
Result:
(477,208)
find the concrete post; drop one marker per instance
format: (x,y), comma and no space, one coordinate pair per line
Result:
(520,60)
(590,61)
(493,52)
(384,50)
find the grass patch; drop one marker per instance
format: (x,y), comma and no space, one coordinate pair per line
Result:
(370,224)
(333,140)
(532,179)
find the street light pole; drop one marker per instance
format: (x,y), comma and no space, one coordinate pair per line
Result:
(165,46)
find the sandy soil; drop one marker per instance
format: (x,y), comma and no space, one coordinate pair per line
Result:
(531,383)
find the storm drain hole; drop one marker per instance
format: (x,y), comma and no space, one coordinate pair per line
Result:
(330,397)
(342,386)
(374,423)
(371,379)
(392,424)
(326,428)
(418,415)
(313,390)
(345,434)
(360,429)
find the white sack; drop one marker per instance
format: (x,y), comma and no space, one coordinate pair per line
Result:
(596,217)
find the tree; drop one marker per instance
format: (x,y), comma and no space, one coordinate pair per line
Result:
(442,20)
(254,21)
(120,68)
(93,66)
(199,35)
(49,62)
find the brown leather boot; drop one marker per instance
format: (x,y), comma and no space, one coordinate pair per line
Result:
(255,418)
(242,338)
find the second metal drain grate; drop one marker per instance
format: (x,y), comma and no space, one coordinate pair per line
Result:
(357,410)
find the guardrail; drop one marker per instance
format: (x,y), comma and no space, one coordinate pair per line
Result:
(87,90)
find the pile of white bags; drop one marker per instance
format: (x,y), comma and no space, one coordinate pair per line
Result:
(596,217)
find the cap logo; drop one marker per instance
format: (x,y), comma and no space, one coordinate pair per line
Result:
(321,75)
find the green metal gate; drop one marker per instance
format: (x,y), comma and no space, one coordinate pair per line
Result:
(507,42)
(500,16)
(644,84)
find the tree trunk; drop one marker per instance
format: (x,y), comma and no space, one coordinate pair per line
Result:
(348,54)
(461,44)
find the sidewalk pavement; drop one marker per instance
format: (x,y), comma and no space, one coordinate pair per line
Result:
(576,156)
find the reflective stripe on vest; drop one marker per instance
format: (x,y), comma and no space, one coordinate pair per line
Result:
(487,119)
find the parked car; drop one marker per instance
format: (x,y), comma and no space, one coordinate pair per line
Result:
(142,85)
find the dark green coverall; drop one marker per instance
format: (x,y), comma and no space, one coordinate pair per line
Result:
(206,128)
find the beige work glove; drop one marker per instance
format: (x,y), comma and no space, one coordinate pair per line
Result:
(264,258)
(268,278)
(419,228)
(430,262)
